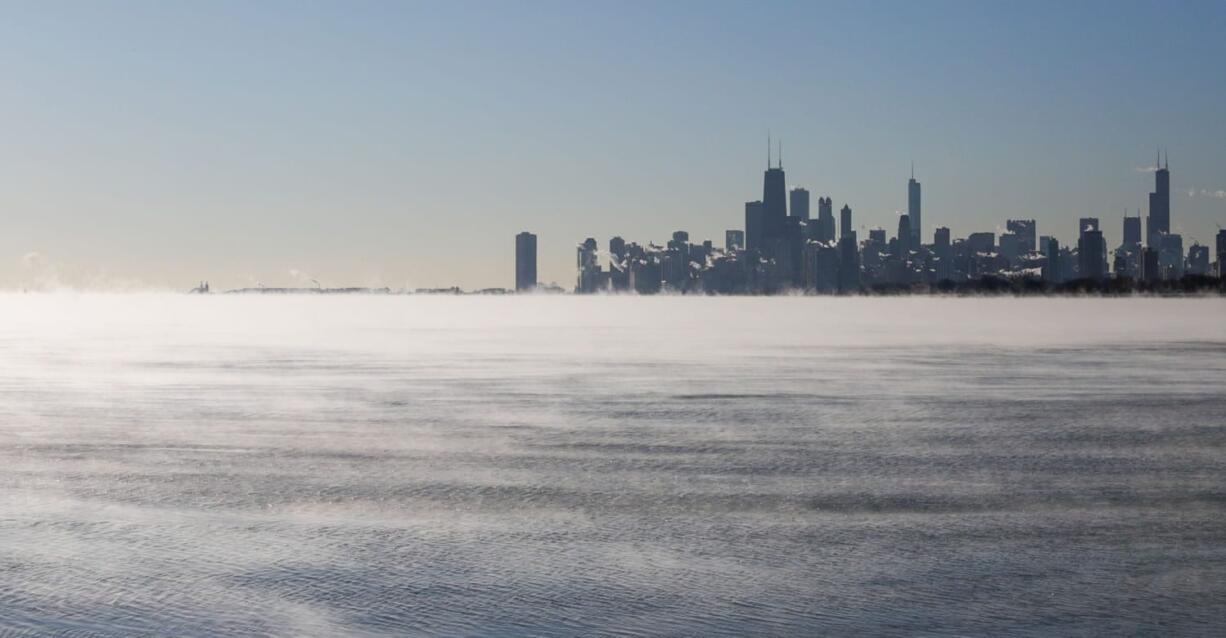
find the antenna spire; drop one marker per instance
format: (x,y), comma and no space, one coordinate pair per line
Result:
(780,153)
(768,149)
(913,170)
(1167,163)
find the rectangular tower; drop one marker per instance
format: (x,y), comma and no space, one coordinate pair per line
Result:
(525,261)
(913,209)
(799,203)
(755,226)
(845,228)
(1159,221)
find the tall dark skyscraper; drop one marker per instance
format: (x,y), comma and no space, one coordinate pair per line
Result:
(1091,249)
(755,226)
(825,220)
(525,261)
(845,221)
(1159,221)
(774,203)
(849,261)
(1132,230)
(942,248)
(799,203)
(913,208)
(1051,261)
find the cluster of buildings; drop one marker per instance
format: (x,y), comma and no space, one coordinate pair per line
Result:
(784,247)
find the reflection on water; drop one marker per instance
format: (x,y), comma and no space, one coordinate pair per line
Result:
(558,466)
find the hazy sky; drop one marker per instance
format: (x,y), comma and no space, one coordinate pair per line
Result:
(389,143)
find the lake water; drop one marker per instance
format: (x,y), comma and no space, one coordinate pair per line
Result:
(548,466)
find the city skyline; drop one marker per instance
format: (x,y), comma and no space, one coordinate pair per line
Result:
(780,249)
(400,146)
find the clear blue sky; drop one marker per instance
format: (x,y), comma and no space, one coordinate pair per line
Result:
(158,143)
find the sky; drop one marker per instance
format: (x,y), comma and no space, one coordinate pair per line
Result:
(156,144)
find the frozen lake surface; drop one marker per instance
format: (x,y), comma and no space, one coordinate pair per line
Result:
(548,466)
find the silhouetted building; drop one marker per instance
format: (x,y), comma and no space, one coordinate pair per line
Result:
(734,240)
(1170,256)
(1198,260)
(1051,261)
(849,261)
(619,265)
(821,267)
(845,227)
(774,205)
(755,226)
(1128,255)
(905,236)
(1092,255)
(799,203)
(792,257)
(981,243)
(591,277)
(1010,248)
(1132,230)
(1150,269)
(825,220)
(1099,269)
(1159,221)
(913,209)
(942,249)
(525,261)
(1025,231)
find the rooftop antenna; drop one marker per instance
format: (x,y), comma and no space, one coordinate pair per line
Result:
(1167,164)
(780,151)
(913,170)
(768,149)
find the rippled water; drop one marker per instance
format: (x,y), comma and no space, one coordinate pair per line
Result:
(179,465)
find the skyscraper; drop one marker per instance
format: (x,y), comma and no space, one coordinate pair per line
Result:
(1159,221)
(590,275)
(941,247)
(913,208)
(619,265)
(849,260)
(1092,254)
(1132,231)
(1198,260)
(1051,262)
(799,203)
(825,220)
(774,203)
(1090,242)
(755,226)
(845,221)
(525,261)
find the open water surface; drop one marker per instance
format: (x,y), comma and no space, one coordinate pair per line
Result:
(549,466)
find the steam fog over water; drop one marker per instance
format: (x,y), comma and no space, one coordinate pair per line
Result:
(203,465)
